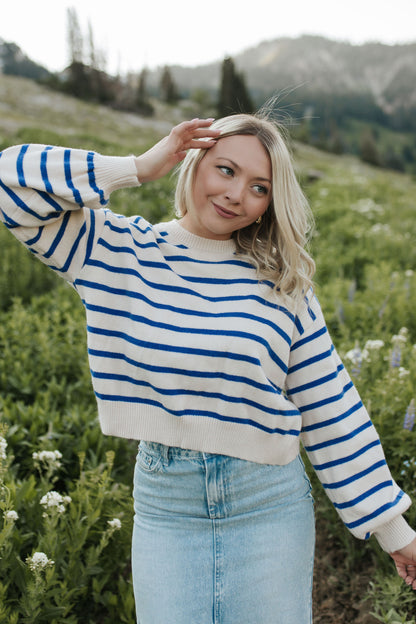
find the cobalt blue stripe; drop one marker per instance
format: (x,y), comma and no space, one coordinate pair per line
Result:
(74,248)
(364,495)
(332,421)
(8,222)
(162,241)
(68,178)
(91,236)
(377,512)
(347,458)
(240,263)
(348,436)
(312,360)
(164,265)
(20,204)
(204,331)
(92,181)
(316,382)
(197,412)
(19,165)
(59,236)
(35,239)
(137,222)
(44,170)
(54,204)
(127,230)
(169,288)
(355,477)
(197,393)
(327,400)
(167,370)
(322,331)
(188,312)
(175,349)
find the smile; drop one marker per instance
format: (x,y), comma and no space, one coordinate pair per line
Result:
(222,212)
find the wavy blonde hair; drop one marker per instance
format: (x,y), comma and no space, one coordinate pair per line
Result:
(276,246)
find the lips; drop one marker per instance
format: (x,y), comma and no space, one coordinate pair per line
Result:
(223,212)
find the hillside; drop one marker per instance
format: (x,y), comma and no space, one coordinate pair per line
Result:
(366,282)
(316,64)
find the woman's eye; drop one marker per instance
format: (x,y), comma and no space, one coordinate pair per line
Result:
(227,170)
(259,188)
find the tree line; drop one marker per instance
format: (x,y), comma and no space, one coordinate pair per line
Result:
(86,77)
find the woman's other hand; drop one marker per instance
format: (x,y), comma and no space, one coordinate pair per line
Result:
(405,561)
(171,150)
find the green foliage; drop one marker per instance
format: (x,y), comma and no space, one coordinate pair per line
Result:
(366,283)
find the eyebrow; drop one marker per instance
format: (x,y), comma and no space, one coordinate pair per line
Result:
(236,166)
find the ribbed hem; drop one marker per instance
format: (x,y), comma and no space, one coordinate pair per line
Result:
(395,534)
(182,236)
(197,433)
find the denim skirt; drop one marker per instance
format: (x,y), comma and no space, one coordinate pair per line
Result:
(221,540)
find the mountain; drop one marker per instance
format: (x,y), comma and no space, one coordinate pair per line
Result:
(336,95)
(316,65)
(14,62)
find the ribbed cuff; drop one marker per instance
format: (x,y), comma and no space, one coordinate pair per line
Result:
(115,172)
(395,534)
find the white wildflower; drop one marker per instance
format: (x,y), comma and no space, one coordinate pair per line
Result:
(114,524)
(3,446)
(401,337)
(409,273)
(39,561)
(11,515)
(374,344)
(55,501)
(379,228)
(367,206)
(50,458)
(403,372)
(356,355)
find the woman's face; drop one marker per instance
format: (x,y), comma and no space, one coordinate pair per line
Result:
(233,187)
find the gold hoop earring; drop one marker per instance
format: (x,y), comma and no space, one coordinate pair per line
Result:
(258,220)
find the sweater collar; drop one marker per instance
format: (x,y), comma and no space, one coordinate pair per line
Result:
(179,235)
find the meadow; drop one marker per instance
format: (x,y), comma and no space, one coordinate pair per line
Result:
(65,489)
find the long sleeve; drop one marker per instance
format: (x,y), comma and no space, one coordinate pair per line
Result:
(50,199)
(340,439)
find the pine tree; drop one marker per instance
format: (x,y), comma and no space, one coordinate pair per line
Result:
(168,90)
(234,96)
(142,101)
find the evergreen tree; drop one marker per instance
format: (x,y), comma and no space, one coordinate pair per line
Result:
(142,101)
(168,90)
(368,148)
(75,38)
(234,96)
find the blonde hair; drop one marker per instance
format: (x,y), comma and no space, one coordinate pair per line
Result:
(276,246)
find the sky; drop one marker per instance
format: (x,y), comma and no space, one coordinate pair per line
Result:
(134,34)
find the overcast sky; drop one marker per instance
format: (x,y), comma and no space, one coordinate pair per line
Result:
(137,34)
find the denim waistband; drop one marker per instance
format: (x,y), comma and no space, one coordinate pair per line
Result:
(169,452)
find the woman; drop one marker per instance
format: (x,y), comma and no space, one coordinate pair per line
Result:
(206,342)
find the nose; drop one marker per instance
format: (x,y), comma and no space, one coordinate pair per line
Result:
(234,191)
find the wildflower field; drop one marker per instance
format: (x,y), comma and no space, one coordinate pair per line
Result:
(65,489)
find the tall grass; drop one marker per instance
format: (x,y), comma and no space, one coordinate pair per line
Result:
(63,556)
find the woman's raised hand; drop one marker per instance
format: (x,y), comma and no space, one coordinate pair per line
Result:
(162,157)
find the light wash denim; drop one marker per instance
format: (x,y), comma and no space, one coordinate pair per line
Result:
(220,540)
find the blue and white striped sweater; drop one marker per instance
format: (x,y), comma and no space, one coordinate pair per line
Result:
(186,346)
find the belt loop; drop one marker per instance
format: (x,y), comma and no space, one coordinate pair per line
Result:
(165,450)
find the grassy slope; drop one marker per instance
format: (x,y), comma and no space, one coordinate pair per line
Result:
(357,207)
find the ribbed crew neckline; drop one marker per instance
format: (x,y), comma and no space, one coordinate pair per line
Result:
(179,234)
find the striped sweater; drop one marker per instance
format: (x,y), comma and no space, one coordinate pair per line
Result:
(188,347)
